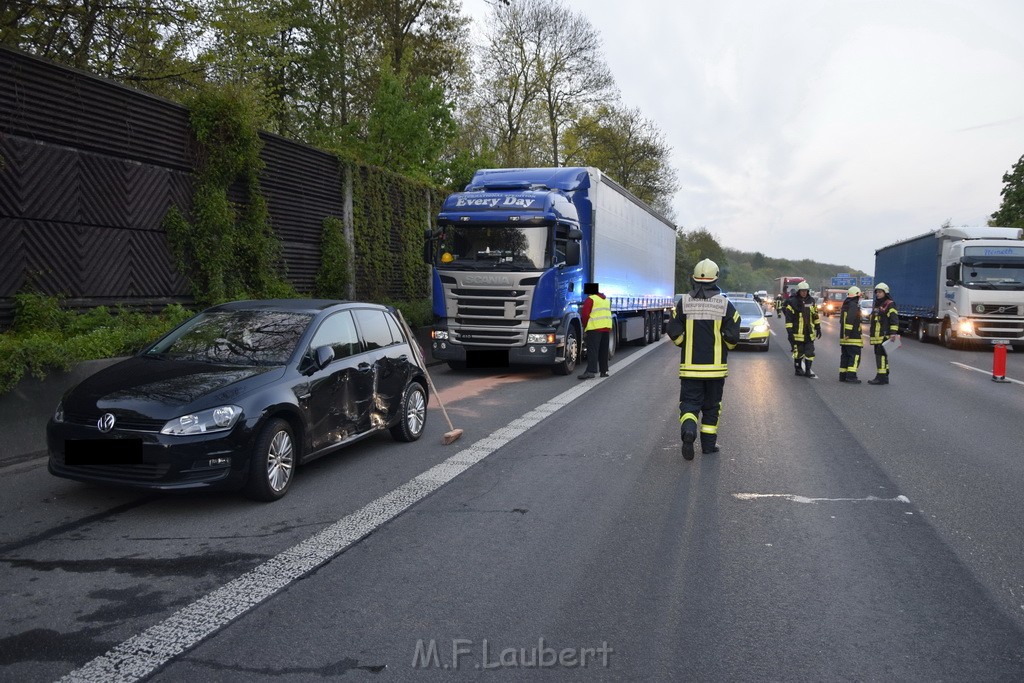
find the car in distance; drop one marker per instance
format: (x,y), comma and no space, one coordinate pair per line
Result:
(240,395)
(754,329)
(865,311)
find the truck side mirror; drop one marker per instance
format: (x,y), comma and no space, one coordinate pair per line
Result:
(428,245)
(572,253)
(950,283)
(574,234)
(952,272)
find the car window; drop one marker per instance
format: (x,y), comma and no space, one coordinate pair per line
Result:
(395,329)
(373,327)
(236,337)
(339,332)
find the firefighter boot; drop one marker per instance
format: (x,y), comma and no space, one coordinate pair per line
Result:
(851,378)
(809,373)
(879,379)
(707,443)
(798,366)
(842,376)
(688,431)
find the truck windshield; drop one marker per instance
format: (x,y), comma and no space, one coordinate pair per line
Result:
(494,248)
(994,276)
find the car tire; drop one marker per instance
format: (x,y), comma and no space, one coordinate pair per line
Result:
(272,463)
(412,414)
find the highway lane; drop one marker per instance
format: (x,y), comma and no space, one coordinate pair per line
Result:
(587,529)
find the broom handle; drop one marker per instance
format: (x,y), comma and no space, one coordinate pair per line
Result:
(423,363)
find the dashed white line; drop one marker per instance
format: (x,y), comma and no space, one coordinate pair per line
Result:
(984,372)
(141,655)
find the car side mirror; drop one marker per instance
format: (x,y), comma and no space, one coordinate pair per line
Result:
(572,253)
(322,357)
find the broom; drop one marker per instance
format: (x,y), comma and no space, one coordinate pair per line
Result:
(452,434)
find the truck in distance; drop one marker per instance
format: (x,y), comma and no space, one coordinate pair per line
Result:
(958,284)
(511,253)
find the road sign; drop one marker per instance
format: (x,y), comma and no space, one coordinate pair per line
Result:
(844,281)
(842,275)
(867,282)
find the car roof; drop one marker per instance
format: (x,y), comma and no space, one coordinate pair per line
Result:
(294,305)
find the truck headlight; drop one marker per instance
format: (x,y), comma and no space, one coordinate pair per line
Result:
(439,334)
(540,339)
(213,420)
(966,327)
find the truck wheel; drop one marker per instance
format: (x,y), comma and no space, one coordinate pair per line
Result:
(613,340)
(571,353)
(645,339)
(922,331)
(948,339)
(654,327)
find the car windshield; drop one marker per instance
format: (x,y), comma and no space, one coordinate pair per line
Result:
(866,305)
(748,309)
(494,248)
(235,338)
(994,276)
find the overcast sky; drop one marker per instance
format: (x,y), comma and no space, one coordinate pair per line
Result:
(824,129)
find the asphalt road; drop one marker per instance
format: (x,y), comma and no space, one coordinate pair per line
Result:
(842,533)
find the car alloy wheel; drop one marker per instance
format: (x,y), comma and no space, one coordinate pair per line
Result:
(272,467)
(413,413)
(280,460)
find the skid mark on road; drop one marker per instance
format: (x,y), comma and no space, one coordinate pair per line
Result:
(804,499)
(141,655)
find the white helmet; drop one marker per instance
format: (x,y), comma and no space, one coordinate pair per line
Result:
(705,271)
(882,286)
(853,291)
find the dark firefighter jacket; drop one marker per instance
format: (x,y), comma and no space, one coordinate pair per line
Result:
(885,321)
(801,318)
(849,323)
(706,326)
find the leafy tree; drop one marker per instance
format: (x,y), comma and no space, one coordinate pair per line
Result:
(693,247)
(629,147)
(1011,209)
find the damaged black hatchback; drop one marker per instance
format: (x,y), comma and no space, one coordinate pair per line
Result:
(240,395)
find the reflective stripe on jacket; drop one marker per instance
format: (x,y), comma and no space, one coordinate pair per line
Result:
(801,318)
(705,330)
(849,323)
(600,314)
(885,321)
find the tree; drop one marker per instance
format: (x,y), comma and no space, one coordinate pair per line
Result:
(1011,209)
(630,148)
(692,247)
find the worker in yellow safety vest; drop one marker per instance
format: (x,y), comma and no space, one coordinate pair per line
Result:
(596,316)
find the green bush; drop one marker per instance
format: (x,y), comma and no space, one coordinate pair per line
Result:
(334,277)
(418,312)
(46,337)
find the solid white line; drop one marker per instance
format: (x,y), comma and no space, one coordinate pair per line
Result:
(804,499)
(141,655)
(984,372)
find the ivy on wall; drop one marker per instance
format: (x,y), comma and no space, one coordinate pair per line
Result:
(335,272)
(226,251)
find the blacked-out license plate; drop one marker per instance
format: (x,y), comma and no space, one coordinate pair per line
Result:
(103,451)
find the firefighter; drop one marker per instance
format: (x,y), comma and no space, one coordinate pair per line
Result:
(850,340)
(802,327)
(596,316)
(778,305)
(706,326)
(883,324)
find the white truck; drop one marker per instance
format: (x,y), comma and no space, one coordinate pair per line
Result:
(958,284)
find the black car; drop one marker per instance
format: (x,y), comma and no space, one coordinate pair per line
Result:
(241,394)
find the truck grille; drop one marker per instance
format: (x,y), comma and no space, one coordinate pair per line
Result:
(487,316)
(995,309)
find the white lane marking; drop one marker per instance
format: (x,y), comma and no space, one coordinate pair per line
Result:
(141,655)
(804,499)
(984,372)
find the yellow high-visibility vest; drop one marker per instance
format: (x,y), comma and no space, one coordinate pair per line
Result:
(600,314)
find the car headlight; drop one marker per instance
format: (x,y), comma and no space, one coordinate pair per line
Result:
(58,415)
(439,334)
(213,420)
(760,326)
(540,339)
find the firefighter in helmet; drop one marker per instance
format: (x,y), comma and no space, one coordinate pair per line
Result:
(850,340)
(706,326)
(883,324)
(802,327)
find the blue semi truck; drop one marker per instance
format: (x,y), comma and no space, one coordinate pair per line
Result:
(510,255)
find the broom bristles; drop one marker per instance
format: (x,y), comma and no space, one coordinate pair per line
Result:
(451,436)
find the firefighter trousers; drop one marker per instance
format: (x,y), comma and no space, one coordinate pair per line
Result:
(803,349)
(701,397)
(849,358)
(881,360)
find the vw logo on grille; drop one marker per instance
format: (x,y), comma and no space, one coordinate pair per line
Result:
(106,423)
